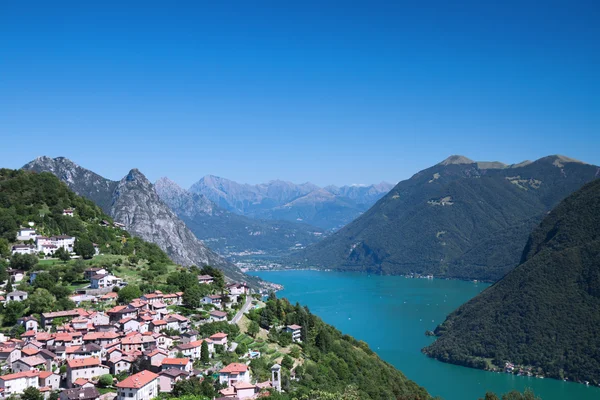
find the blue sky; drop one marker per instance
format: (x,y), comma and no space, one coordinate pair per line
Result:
(327,92)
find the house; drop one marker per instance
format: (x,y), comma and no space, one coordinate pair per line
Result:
(183,364)
(237,289)
(80,393)
(85,351)
(219,339)
(64,241)
(119,312)
(234,373)
(17,295)
(29,364)
(205,279)
(82,383)
(216,316)
(86,368)
(47,318)
(121,364)
(102,339)
(191,349)
(17,383)
(88,273)
(9,355)
(16,274)
(108,297)
(26,234)
(68,212)
(213,299)
(155,356)
(141,386)
(129,325)
(178,322)
(49,379)
(241,391)
(29,323)
(169,377)
(296,331)
(23,249)
(101,281)
(158,325)
(189,336)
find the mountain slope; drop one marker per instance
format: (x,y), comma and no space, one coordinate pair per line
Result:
(229,232)
(544,313)
(459,218)
(134,203)
(327,208)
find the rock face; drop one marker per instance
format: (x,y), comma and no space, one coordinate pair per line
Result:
(327,208)
(134,202)
(231,233)
(458,219)
(544,313)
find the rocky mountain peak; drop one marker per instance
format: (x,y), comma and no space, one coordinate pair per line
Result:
(457,159)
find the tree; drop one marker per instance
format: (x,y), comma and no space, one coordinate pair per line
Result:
(192,296)
(40,301)
(241,349)
(62,254)
(8,288)
(84,248)
(12,312)
(32,393)
(204,352)
(253,328)
(105,380)
(23,261)
(129,293)
(44,280)
(287,362)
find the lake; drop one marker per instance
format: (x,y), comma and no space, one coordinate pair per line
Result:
(392,313)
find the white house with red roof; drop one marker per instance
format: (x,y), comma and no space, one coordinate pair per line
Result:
(49,379)
(296,331)
(183,364)
(17,383)
(219,339)
(141,386)
(234,373)
(86,368)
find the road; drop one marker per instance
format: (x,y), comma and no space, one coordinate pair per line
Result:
(242,310)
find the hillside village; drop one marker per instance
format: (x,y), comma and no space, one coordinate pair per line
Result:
(137,349)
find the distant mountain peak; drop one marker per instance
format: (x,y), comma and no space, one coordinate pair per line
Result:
(457,159)
(136,175)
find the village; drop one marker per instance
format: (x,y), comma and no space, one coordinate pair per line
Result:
(139,349)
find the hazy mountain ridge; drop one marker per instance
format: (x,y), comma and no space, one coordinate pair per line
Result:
(328,208)
(134,202)
(544,313)
(229,232)
(454,219)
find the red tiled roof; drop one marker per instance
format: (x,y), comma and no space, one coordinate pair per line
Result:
(234,368)
(24,374)
(80,381)
(101,335)
(138,380)
(30,352)
(294,327)
(175,361)
(45,374)
(83,362)
(218,336)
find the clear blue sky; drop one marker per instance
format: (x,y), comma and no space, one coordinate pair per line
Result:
(328,92)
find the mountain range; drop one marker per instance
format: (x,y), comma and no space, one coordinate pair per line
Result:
(134,202)
(457,219)
(328,208)
(544,314)
(231,233)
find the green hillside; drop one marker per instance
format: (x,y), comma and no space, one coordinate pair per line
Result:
(545,314)
(41,198)
(457,219)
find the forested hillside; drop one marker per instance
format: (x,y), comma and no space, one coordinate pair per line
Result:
(457,219)
(544,315)
(41,198)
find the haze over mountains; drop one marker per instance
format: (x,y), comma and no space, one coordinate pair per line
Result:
(330,207)
(134,202)
(229,232)
(545,312)
(457,219)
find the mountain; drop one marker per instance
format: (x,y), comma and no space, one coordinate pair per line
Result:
(228,232)
(326,208)
(546,312)
(134,203)
(457,219)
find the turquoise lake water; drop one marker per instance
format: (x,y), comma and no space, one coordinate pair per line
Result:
(392,313)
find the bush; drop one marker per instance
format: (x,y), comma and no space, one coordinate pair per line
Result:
(105,380)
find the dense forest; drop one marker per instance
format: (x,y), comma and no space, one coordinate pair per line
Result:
(458,219)
(544,315)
